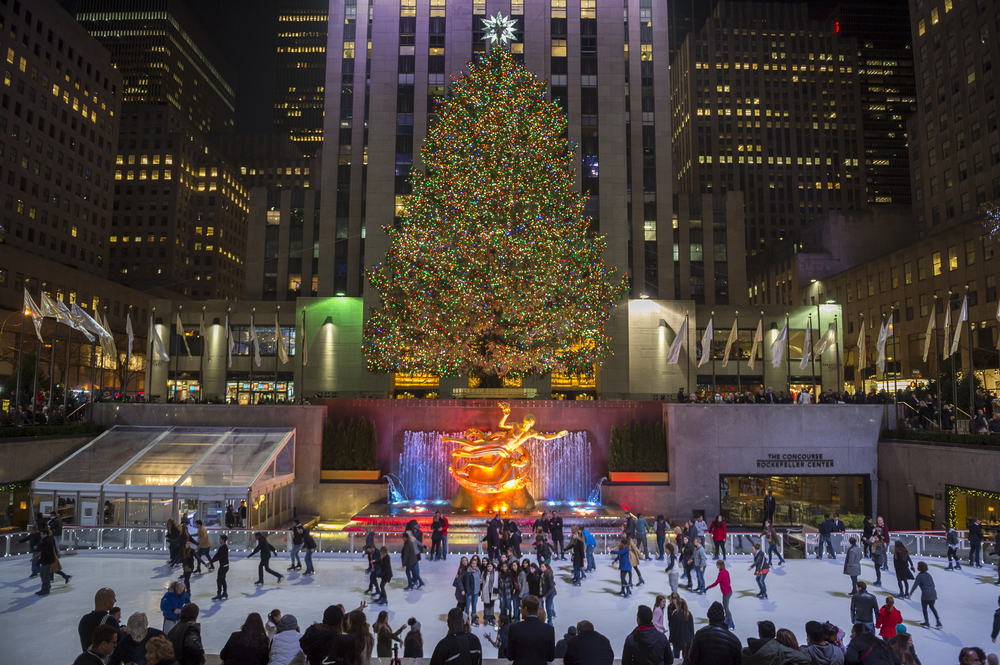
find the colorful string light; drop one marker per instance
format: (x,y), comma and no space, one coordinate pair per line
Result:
(492,270)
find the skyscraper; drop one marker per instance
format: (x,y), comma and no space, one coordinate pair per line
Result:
(164,58)
(301,71)
(767,102)
(888,93)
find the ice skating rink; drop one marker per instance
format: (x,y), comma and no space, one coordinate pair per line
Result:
(38,629)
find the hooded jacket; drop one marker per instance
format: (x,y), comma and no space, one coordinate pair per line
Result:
(285,649)
(824,654)
(186,640)
(647,646)
(171,601)
(772,652)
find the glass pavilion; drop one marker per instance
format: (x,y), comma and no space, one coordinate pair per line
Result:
(142,476)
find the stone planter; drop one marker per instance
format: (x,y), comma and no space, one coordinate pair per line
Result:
(639,477)
(349,476)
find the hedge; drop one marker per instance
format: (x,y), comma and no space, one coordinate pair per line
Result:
(14,432)
(941,437)
(350,446)
(638,447)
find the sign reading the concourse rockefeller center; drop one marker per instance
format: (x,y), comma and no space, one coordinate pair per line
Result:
(795,461)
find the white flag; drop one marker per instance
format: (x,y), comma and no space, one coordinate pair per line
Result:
(729,344)
(998,325)
(706,342)
(827,340)
(255,341)
(229,342)
(963,316)
(158,350)
(674,352)
(280,341)
(180,331)
(946,349)
(778,347)
(305,350)
(108,343)
(54,309)
(862,359)
(203,333)
(131,337)
(931,325)
(807,346)
(758,339)
(883,335)
(31,309)
(85,324)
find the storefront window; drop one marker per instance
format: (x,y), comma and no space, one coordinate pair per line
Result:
(965,505)
(799,499)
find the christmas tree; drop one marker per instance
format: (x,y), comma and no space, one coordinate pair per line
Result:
(492,271)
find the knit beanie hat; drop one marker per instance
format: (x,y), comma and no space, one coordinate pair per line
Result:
(287,622)
(716,613)
(900,628)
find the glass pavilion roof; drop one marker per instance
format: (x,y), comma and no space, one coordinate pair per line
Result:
(160,459)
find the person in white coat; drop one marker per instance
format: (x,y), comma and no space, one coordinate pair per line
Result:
(285,645)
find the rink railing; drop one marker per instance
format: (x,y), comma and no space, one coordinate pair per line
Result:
(460,542)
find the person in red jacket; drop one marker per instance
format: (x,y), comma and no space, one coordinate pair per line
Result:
(887,620)
(726,587)
(718,530)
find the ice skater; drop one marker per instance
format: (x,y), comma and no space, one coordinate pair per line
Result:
(222,558)
(266,549)
(760,570)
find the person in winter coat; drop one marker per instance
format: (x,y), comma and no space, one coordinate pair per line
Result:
(645,645)
(204,547)
(309,545)
(975,543)
(588,647)
(819,648)
(660,528)
(472,585)
(672,569)
(635,558)
(488,594)
(562,644)
(680,621)
(714,644)
(928,594)
(888,618)
(760,570)
(864,607)
(186,637)
(384,637)
(266,549)
(726,587)
(718,531)
(548,593)
(882,531)
(700,562)
(904,568)
(285,649)
(248,645)
(765,650)
(867,649)
(659,607)
(952,539)
(173,600)
(852,564)
(411,562)
(384,576)
(868,528)
(877,549)
(687,558)
(624,567)
(321,638)
(578,557)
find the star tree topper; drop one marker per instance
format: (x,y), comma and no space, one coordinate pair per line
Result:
(499,29)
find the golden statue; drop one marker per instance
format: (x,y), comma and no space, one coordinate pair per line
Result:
(492,468)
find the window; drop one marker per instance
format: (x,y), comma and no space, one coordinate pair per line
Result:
(881,281)
(991,288)
(970,252)
(936,261)
(894,277)
(987,247)
(923,305)
(952,258)
(909,309)
(871,285)
(908,273)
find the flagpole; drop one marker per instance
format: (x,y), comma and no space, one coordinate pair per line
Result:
(951,363)
(836,332)
(937,367)
(277,340)
(52,364)
(972,365)
(739,385)
(151,330)
(103,359)
(93,376)
(201,360)
(128,360)
(69,346)
(302,358)
(687,321)
(788,354)
(20,358)
(253,327)
(895,359)
(711,348)
(812,353)
(34,386)
(177,355)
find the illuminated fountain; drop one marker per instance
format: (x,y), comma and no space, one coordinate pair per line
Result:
(493,470)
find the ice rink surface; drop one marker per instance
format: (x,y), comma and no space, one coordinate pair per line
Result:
(38,629)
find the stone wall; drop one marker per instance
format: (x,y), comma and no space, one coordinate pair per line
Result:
(906,469)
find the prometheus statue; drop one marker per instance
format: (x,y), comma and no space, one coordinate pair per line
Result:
(492,467)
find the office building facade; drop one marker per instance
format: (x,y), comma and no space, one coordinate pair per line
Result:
(59,112)
(164,58)
(301,71)
(767,102)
